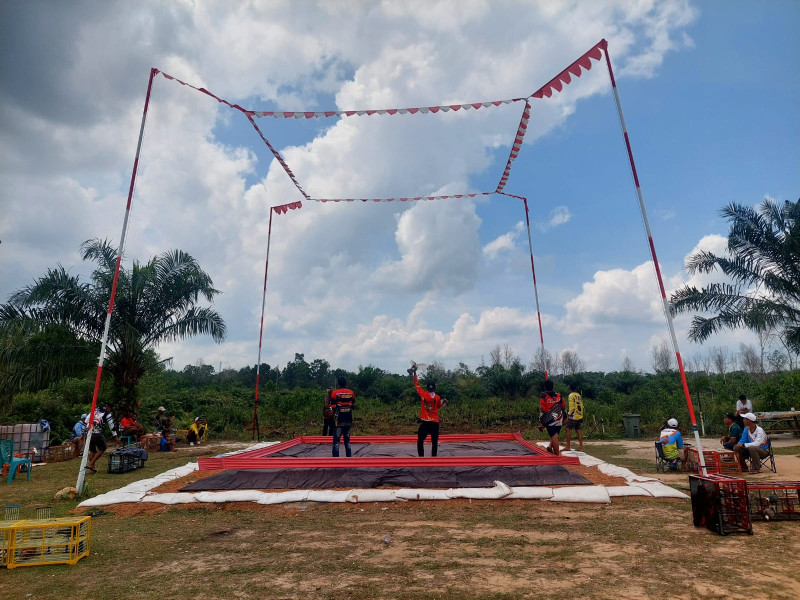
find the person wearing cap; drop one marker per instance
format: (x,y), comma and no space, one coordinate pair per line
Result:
(430,403)
(197,431)
(754,444)
(78,438)
(734,432)
(672,444)
(162,422)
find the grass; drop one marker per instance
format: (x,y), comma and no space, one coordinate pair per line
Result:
(438,550)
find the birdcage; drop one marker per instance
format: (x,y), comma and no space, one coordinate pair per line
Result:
(774,500)
(720,503)
(46,541)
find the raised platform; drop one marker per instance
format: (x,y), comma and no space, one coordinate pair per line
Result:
(463,461)
(455,450)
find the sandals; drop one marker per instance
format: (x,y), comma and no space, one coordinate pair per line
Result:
(91,469)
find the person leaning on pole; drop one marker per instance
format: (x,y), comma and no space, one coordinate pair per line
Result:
(430,403)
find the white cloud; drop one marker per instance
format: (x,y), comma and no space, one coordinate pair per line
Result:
(342,278)
(503,243)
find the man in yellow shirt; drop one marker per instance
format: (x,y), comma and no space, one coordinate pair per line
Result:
(574,416)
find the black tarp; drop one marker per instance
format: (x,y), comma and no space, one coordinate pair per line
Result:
(499,448)
(407,477)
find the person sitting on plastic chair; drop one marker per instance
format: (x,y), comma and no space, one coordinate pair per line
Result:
(672,445)
(753,445)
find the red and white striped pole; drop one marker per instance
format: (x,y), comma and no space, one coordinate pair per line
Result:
(120,248)
(256,432)
(667,312)
(533,272)
(535,289)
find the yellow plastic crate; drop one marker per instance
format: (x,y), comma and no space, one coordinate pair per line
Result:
(6,529)
(48,541)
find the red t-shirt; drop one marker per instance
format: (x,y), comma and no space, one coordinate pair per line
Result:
(126,422)
(430,403)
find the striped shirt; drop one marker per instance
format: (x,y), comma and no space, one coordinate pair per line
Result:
(101,418)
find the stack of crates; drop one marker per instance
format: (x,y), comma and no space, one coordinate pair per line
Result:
(59,453)
(720,503)
(774,500)
(693,461)
(44,541)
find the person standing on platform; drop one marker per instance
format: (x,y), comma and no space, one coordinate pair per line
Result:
(574,417)
(328,418)
(430,403)
(551,415)
(343,401)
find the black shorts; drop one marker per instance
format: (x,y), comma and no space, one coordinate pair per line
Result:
(97,443)
(574,424)
(553,430)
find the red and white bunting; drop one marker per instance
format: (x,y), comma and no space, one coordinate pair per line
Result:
(405,199)
(515,147)
(284,208)
(557,83)
(318,114)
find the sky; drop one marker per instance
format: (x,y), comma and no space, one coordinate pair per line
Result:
(709,89)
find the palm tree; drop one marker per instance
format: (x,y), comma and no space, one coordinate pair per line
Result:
(155,302)
(764,268)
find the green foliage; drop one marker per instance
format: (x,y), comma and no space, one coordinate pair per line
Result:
(763,264)
(50,328)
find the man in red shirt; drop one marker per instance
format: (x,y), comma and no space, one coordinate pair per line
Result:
(343,401)
(430,403)
(551,415)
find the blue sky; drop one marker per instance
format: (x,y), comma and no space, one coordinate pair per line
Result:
(710,93)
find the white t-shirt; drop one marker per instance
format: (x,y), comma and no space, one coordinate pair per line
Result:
(741,406)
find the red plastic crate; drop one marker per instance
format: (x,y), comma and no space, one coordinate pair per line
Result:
(720,503)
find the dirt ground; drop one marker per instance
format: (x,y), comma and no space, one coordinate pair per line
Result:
(632,548)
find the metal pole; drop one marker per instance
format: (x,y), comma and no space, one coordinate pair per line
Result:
(120,248)
(535,290)
(665,302)
(256,432)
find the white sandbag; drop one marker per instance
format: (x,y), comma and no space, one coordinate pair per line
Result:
(421,494)
(590,461)
(581,493)
(176,498)
(114,497)
(615,471)
(370,495)
(230,496)
(328,495)
(530,493)
(615,491)
(282,497)
(659,490)
(500,490)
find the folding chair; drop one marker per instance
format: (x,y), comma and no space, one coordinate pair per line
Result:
(664,464)
(7,457)
(768,462)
